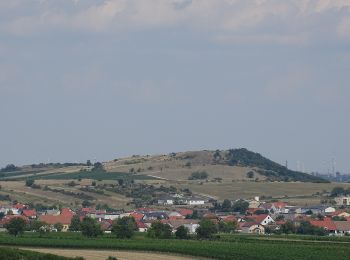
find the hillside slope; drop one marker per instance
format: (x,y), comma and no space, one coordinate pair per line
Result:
(228,165)
(224,166)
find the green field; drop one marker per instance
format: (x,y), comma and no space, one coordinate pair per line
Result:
(16,254)
(226,247)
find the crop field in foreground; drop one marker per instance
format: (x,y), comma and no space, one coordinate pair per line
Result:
(17,254)
(234,247)
(93,254)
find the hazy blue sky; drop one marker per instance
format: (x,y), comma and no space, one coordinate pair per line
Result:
(85,79)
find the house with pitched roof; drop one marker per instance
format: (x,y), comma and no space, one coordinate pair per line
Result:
(262,219)
(342,200)
(190,224)
(342,228)
(141,226)
(29,213)
(327,224)
(251,228)
(64,218)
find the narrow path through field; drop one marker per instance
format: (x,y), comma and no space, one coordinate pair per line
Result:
(89,254)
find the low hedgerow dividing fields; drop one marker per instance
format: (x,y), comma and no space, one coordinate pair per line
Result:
(17,254)
(94,175)
(216,249)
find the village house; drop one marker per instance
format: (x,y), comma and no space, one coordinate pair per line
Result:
(100,215)
(276,207)
(136,215)
(29,213)
(156,215)
(179,199)
(175,215)
(342,200)
(64,218)
(141,226)
(185,212)
(327,224)
(165,200)
(262,219)
(342,228)
(251,228)
(254,203)
(190,224)
(315,210)
(10,210)
(191,227)
(340,213)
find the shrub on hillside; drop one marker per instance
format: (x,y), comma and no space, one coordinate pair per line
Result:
(200,175)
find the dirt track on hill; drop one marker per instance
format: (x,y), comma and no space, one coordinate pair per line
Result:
(104,254)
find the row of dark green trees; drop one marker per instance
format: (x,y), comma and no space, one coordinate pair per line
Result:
(123,228)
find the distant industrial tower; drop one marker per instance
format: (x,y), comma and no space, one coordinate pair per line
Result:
(333,166)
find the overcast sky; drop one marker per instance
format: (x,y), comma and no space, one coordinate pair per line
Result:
(86,79)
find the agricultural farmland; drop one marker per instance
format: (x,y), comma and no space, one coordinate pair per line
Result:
(17,254)
(234,247)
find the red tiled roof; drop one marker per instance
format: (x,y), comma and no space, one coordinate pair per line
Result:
(258,218)
(140,224)
(53,219)
(326,224)
(185,212)
(67,212)
(137,216)
(342,225)
(29,212)
(229,218)
(247,224)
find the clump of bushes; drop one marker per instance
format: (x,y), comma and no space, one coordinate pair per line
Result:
(200,175)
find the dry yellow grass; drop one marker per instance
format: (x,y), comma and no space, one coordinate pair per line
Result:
(103,254)
(236,190)
(17,190)
(174,168)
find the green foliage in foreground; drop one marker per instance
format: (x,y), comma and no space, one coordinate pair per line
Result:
(90,227)
(159,230)
(16,226)
(226,247)
(16,254)
(124,227)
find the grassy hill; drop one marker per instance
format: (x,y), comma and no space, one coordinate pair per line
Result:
(235,173)
(226,165)
(234,164)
